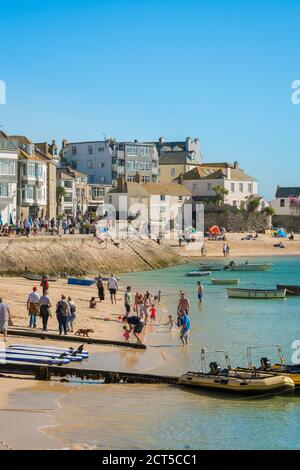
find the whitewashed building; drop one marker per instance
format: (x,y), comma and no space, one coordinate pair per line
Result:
(202,180)
(8,179)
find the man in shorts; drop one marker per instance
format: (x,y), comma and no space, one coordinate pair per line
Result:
(4,318)
(136,326)
(185,328)
(128,300)
(113,288)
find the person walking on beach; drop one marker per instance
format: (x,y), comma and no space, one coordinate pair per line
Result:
(183,304)
(45,284)
(45,312)
(227,250)
(200,292)
(224,250)
(101,291)
(138,303)
(33,306)
(72,317)
(62,314)
(113,288)
(4,318)
(128,300)
(136,326)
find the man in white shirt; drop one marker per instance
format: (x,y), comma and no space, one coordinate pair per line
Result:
(113,288)
(33,306)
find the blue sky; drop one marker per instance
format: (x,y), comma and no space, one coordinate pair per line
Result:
(218,70)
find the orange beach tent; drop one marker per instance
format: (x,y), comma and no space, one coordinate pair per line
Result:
(215,230)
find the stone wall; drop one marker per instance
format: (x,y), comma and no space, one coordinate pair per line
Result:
(237,221)
(289,222)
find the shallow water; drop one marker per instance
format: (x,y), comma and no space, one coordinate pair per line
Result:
(146,416)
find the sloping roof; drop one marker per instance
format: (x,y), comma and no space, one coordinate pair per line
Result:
(153,189)
(63,174)
(286,192)
(177,158)
(217,171)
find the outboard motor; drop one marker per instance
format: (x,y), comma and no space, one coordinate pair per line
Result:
(265,363)
(215,368)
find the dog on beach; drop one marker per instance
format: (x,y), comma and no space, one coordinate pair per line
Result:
(84,332)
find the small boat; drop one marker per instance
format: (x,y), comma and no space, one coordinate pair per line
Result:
(211,267)
(248,267)
(81,281)
(238,293)
(292,371)
(50,355)
(222,282)
(290,290)
(198,273)
(5,355)
(236,381)
(38,277)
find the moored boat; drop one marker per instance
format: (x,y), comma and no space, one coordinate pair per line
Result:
(290,290)
(222,282)
(236,382)
(211,267)
(81,281)
(238,293)
(38,277)
(198,273)
(248,267)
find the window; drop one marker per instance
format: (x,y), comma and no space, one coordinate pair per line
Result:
(234,203)
(145,179)
(39,194)
(173,172)
(282,203)
(132,166)
(131,150)
(7,167)
(102,179)
(145,151)
(163,197)
(73,150)
(39,171)
(27,192)
(180,198)
(209,186)
(232,187)
(145,166)
(194,187)
(68,197)
(100,149)
(3,190)
(90,150)
(110,199)
(250,190)
(29,169)
(100,164)
(90,163)
(241,187)
(68,184)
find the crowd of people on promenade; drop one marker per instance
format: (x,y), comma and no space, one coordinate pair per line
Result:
(66,224)
(140,309)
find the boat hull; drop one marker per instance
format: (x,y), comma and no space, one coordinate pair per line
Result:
(249,267)
(81,282)
(241,384)
(198,274)
(290,290)
(237,293)
(223,282)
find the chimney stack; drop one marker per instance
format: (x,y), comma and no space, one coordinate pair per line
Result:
(236,165)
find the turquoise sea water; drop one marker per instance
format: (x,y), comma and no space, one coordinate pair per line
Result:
(145,416)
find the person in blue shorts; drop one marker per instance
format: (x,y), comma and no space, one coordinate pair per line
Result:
(185,328)
(200,292)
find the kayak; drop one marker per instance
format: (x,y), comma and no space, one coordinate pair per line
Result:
(4,356)
(50,349)
(29,352)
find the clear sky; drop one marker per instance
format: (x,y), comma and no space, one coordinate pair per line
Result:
(218,70)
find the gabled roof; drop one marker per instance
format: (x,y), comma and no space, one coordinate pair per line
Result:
(285,192)
(216,171)
(177,158)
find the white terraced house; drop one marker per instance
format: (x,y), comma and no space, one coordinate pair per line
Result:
(8,179)
(240,186)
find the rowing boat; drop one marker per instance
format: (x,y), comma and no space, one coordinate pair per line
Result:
(238,382)
(222,282)
(51,349)
(81,282)
(249,267)
(38,277)
(290,290)
(238,293)
(198,273)
(211,267)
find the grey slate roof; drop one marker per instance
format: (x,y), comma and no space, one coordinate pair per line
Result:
(287,192)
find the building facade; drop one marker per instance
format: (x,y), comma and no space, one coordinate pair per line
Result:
(105,161)
(8,179)
(238,186)
(287,201)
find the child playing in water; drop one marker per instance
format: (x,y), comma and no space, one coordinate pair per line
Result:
(171,322)
(126,334)
(153,313)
